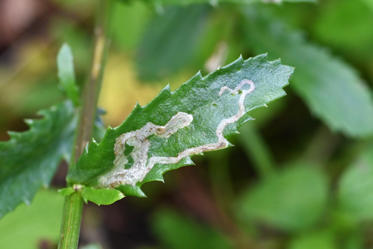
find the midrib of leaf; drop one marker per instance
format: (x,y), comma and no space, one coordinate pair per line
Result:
(30,159)
(195,95)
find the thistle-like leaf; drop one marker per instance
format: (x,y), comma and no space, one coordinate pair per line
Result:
(176,125)
(29,159)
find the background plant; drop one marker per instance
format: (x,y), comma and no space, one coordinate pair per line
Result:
(310,188)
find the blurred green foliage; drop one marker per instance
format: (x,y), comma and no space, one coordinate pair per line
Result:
(271,201)
(178,232)
(171,37)
(291,200)
(29,225)
(321,240)
(356,186)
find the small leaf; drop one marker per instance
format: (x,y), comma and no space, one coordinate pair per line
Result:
(66,191)
(29,159)
(66,73)
(290,200)
(331,89)
(101,196)
(356,188)
(176,125)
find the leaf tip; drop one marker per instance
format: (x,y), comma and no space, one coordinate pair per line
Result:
(167,88)
(138,107)
(198,76)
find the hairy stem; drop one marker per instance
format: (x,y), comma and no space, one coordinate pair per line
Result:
(73,207)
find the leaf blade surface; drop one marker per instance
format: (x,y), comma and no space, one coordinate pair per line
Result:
(176,125)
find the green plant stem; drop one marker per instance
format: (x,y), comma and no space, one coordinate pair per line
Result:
(73,207)
(257,150)
(91,92)
(72,216)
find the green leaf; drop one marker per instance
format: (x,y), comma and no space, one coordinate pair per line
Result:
(176,125)
(27,226)
(66,191)
(331,89)
(170,40)
(291,200)
(71,33)
(30,159)
(101,196)
(356,188)
(66,73)
(179,232)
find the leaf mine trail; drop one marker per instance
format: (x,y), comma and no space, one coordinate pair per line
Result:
(138,141)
